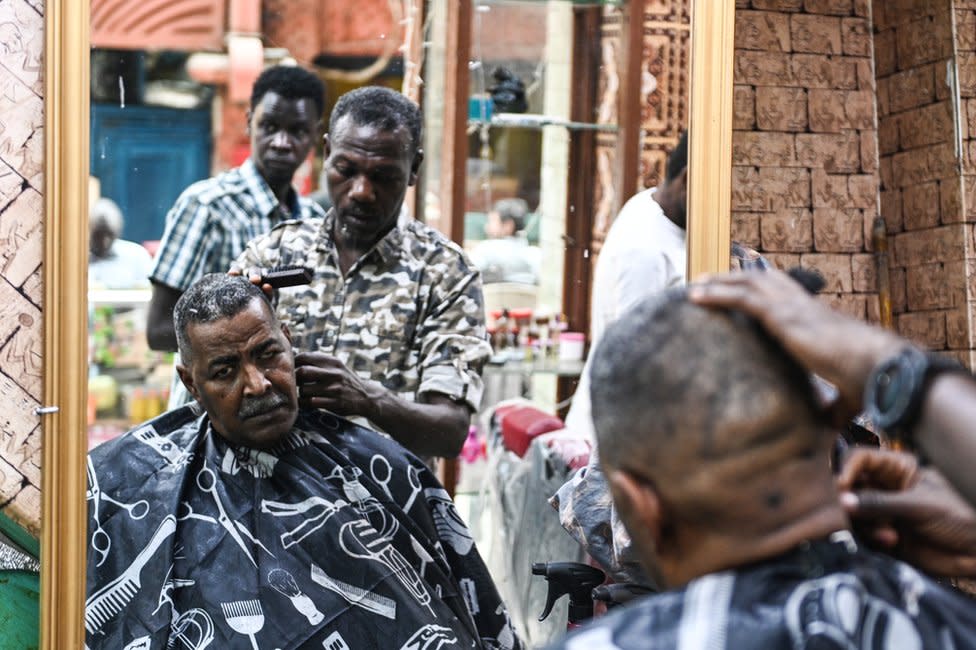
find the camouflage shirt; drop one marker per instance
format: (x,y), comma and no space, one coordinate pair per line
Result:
(409,313)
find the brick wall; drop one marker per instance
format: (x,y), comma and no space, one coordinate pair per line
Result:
(21,249)
(921,184)
(805,158)
(961,320)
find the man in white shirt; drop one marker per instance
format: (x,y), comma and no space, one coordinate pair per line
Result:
(644,253)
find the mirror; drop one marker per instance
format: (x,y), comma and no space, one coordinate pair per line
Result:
(66,187)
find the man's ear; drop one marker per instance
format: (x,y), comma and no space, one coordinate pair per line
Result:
(286,332)
(187,378)
(326,147)
(681,180)
(247,124)
(639,507)
(415,166)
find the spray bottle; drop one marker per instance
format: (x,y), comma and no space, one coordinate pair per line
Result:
(575,579)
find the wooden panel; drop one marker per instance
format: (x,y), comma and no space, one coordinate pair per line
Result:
(172,24)
(710,141)
(455,144)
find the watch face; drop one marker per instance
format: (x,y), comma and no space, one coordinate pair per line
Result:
(894,387)
(887,389)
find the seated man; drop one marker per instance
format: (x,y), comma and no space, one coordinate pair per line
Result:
(715,448)
(258,524)
(506,255)
(114,263)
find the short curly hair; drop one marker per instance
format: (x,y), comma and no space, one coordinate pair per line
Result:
(380,107)
(291,82)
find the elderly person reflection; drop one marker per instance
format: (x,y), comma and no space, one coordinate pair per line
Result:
(270,525)
(114,263)
(506,255)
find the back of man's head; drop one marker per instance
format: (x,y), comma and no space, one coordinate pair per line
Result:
(291,82)
(703,405)
(678,158)
(513,211)
(213,297)
(382,108)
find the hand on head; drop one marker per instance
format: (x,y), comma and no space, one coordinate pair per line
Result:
(838,348)
(255,279)
(910,511)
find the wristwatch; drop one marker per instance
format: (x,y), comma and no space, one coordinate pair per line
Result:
(896,389)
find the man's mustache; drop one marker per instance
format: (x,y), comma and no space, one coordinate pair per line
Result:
(258,405)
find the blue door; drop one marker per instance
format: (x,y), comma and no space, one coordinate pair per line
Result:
(144,157)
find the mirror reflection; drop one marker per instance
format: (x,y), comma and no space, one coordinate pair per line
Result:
(199,164)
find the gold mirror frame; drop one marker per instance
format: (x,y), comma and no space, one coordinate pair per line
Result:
(65,362)
(65,365)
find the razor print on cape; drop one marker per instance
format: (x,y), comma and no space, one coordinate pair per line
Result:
(207,483)
(357,596)
(308,544)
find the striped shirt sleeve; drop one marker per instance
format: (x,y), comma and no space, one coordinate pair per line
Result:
(186,245)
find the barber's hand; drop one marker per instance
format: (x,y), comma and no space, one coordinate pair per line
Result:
(325,382)
(838,348)
(255,279)
(912,512)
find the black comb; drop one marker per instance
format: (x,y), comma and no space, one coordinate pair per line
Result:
(287,276)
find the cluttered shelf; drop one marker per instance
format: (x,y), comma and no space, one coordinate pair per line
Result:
(536,121)
(128,383)
(506,364)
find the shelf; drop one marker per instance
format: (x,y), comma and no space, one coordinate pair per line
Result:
(535,121)
(119,296)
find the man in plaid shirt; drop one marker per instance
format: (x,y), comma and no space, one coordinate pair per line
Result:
(214,219)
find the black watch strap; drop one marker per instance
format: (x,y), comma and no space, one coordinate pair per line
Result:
(896,389)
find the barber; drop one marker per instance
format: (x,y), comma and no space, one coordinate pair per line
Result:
(391,328)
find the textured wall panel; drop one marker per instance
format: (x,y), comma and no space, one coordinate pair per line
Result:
(21,214)
(173,24)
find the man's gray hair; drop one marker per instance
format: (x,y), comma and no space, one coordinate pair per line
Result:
(106,211)
(514,210)
(211,298)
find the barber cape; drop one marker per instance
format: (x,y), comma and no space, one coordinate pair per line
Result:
(337,538)
(823,595)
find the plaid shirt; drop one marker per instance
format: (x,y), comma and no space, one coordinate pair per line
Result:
(408,314)
(212,221)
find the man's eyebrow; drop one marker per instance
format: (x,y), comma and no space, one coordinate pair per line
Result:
(225,360)
(264,345)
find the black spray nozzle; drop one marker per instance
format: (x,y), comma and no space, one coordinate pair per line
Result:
(573,578)
(620,593)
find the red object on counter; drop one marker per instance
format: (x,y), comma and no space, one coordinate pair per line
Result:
(521,423)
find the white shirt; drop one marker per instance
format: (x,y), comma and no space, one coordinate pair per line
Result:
(507,259)
(126,266)
(644,253)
